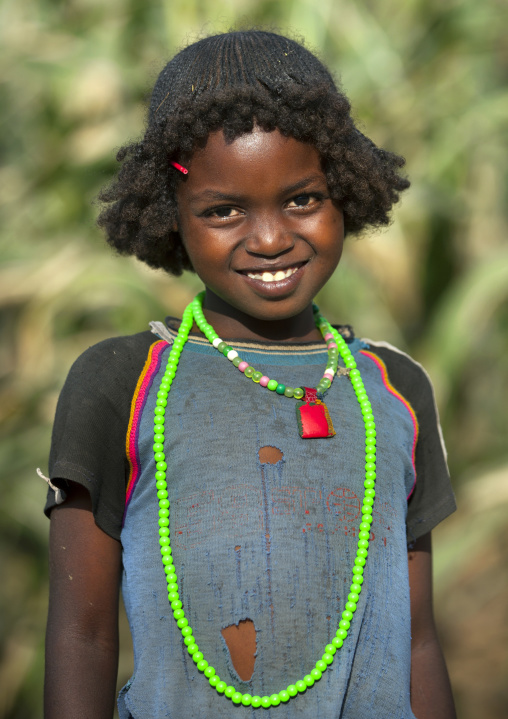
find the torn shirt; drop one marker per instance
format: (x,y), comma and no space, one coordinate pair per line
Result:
(272,542)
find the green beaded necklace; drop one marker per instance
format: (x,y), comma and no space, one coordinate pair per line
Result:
(194,311)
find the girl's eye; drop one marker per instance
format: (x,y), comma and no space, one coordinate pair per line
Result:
(223,212)
(304,200)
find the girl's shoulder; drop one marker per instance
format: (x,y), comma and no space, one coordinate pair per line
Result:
(407,375)
(111,353)
(112,365)
(91,420)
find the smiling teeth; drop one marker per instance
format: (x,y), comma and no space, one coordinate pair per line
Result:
(273,276)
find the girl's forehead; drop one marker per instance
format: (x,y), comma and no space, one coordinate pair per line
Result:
(255,142)
(260,153)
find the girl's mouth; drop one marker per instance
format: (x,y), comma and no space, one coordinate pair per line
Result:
(275,283)
(276,276)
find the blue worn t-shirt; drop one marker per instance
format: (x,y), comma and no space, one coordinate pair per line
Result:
(270,542)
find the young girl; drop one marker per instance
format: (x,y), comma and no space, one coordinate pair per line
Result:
(263,485)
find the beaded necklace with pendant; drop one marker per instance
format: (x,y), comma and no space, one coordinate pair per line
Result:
(194,312)
(312,414)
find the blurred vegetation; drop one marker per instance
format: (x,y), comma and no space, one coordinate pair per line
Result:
(428,80)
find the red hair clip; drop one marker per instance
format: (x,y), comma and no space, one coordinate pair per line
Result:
(179,167)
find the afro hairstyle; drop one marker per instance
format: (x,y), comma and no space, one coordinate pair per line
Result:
(232,82)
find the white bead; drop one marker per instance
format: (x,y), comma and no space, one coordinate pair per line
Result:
(216,342)
(232,354)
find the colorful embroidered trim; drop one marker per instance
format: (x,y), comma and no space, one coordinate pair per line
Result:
(145,381)
(388,385)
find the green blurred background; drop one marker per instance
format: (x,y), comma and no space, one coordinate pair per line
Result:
(428,80)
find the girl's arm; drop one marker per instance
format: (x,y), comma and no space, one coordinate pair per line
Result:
(431,696)
(82,631)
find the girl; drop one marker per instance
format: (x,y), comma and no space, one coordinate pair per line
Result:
(270,526)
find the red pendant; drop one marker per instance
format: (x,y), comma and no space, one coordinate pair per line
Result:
(312,417)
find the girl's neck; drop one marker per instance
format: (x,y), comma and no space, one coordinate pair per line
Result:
(231,323)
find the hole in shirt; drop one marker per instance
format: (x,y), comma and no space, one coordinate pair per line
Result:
(270,455)
(241,642)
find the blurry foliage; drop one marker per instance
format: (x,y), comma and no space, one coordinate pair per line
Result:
(428,80)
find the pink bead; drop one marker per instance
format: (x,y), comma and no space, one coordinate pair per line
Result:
(329,373)
(243,366)
(328,336)
(332,344)
(264,381)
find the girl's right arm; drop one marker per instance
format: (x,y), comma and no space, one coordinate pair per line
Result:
(82,631)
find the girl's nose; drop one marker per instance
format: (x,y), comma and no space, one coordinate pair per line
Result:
(269,237)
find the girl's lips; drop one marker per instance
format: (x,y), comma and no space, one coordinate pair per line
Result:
(275,282)
(275,276)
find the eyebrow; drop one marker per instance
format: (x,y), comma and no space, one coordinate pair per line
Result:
(216,196)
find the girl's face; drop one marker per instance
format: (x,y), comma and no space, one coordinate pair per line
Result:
(258,225)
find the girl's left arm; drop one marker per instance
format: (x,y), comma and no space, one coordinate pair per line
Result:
(431,695)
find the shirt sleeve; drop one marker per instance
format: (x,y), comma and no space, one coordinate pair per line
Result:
(91,421)
(432,499)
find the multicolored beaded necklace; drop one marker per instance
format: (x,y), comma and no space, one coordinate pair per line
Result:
(194,312)
(312,414)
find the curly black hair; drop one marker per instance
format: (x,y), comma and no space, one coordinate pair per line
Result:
(232,82)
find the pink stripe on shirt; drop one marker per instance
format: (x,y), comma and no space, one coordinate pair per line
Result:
(138,403)
(386,381)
